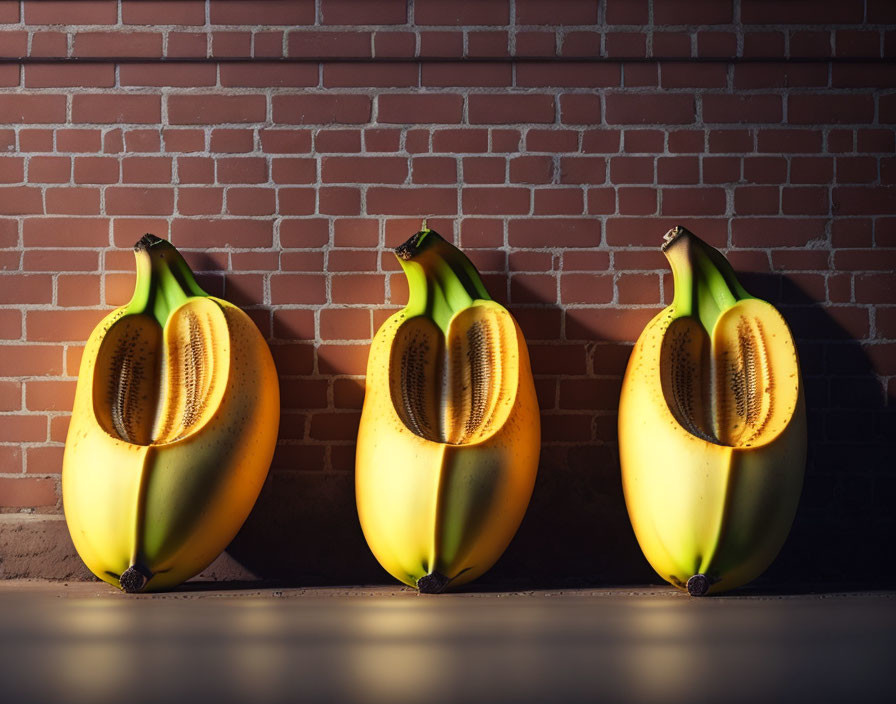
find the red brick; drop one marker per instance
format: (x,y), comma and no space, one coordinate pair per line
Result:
(77,12)
(287,141)
(569,74)
(583,169)
(700,12)
(631,169)
(246,169)
(412,201)
(776,232)
(796,141)
(394,44)
(496,201)
(78,290)
(298,289)
(742,108)
(810,43)
(58,260)
(415,109)
(267,44)
(20,200)
(50,169)
(671,44)
(531,169)
(382,140)
(24,109)
(801,12)
(656,109)
(364,169)
(510,109)
(357,288)
(80,75)
(114,44)
(693,201)
(321,109)
(323,44)
(434,170)
(559,232)
(441,44)
(678,170)
(30,492)
(484,170)
(637,201)
(293,170)
(344,141)
(215,109)
(817,109)
(200,201)
(553,141)
(467,74)
(875,288)
(536,43)
(187,45)
(167,75)
(184,12)
(69,200)
(385,75)
(580,109)
(89,169)
(687,75)
(764,169)
(460,140)
(263,12)
(461,12)
(558,201)
(625,44)
(65,232)
(49,44)
(117,109)
(145,169)
(195,169)
(129,200)
(807,169)
(859,200)
(757,200)
(487,44)
(345,201)
(12,169)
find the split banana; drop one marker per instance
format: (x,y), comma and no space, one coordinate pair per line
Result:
(173,429)
(450,433)
(712,427)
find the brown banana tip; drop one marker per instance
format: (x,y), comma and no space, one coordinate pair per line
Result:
(672,235)
(133,579)
(433,583)
(414,245)
(698,585)
(146,242)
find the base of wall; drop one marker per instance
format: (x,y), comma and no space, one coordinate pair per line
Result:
(39,547)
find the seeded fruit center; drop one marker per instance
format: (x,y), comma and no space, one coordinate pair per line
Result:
(155,386)
(728,389)
(455,389)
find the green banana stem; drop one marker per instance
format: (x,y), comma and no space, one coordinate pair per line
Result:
(441,280)
(705,284)
(164,280)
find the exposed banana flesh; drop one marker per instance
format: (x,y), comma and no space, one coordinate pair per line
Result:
(712,427)
(173,429)
(450,433)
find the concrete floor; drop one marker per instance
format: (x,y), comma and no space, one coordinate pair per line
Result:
(87,642)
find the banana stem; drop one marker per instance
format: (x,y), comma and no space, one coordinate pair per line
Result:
(441,280)
(164,280)
(705,284)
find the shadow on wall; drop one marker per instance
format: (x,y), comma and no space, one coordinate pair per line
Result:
(304,528)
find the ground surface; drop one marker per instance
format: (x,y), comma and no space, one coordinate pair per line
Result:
(87,642)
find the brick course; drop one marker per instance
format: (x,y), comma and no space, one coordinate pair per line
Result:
(284,182)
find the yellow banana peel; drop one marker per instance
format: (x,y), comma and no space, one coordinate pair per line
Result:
(712,427)
(449,437)
(173,429)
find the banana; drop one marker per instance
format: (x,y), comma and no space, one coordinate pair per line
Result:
(712,427)
(173,429)
(449,437)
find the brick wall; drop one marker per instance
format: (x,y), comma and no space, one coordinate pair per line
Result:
(284,146)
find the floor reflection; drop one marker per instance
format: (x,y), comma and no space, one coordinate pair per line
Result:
(447,649)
